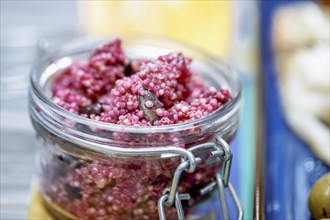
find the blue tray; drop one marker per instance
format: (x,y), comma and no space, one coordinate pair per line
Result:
(289,165)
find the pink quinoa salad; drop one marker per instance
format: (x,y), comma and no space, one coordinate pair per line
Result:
(139,92)
(109,87)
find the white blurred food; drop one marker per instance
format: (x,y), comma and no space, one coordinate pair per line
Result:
(301,42)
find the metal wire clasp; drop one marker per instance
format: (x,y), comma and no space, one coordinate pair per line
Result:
(219,149)
(221,181)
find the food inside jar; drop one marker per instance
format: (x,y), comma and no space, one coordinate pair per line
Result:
(111,88)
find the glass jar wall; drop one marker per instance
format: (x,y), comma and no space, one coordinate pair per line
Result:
(96,170)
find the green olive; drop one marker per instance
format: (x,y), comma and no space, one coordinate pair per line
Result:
(319,198)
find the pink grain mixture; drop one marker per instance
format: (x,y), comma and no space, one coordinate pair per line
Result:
(139,92)
(144,92)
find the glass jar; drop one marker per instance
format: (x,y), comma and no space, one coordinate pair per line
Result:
(95,170)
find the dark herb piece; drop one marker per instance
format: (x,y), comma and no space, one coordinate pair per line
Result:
(128,70)
(95,109)
(149,112)
(72,192)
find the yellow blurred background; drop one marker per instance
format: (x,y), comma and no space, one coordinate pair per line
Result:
(205,24)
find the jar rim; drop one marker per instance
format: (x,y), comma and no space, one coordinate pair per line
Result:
(221,112)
